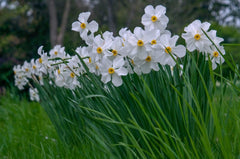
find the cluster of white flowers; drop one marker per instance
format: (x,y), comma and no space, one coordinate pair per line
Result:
(198,38)
(111,57)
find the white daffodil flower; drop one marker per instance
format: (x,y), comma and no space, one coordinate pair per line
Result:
(117,48)
(169,50)
(82,26)
(215,56)
(57,51)
(35,67)
(151,62)
(213,36)
(139,42)
(101,48)
(20,82)
(155,18)
(34,94)
(113,70)
(65,78)
(195,37)
(26,68)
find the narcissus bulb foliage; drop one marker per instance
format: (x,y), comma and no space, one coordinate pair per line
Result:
(111,57)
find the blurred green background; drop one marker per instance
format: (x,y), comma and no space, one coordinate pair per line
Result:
(27,24)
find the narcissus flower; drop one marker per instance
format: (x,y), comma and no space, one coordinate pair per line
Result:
(139,42)
(82,26)
(101,48)
(169,50)
(57,51)
(155,18)
(216,56)
(113,70)
(34,94)
(195,37)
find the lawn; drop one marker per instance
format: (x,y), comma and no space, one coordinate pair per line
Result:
(26,132)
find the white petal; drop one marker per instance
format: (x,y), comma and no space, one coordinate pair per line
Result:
(105,78)
(122,71)
(83,17)
(214,65)
(155,66)
(118,62)
(132,40)
(173,40)
(93,26)
(142,53)
(40,50)
(116,80)
(76,26)
(160,10)
(149,10)
(146,20)
(146,68)
(164,20)
(138,32)
(151,35)
(205,26)
(179,51)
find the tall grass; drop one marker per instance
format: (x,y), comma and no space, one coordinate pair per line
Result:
(163,114)
(26,132)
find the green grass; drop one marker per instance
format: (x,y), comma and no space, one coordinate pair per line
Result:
(26,132)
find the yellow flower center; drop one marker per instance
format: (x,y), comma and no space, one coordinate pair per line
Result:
(72,74)
(154,18)
(197,36)
(40,60)
(215,54)
(90,60)
(83,25)
(55,52)
(114,52)
(59,71)
(132,61)
(34,67)
(111,70)
(26,69)
(97,67)
(153,42)
(99,50)
(168,49)
(14,72)
(148,59)
(140,43)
